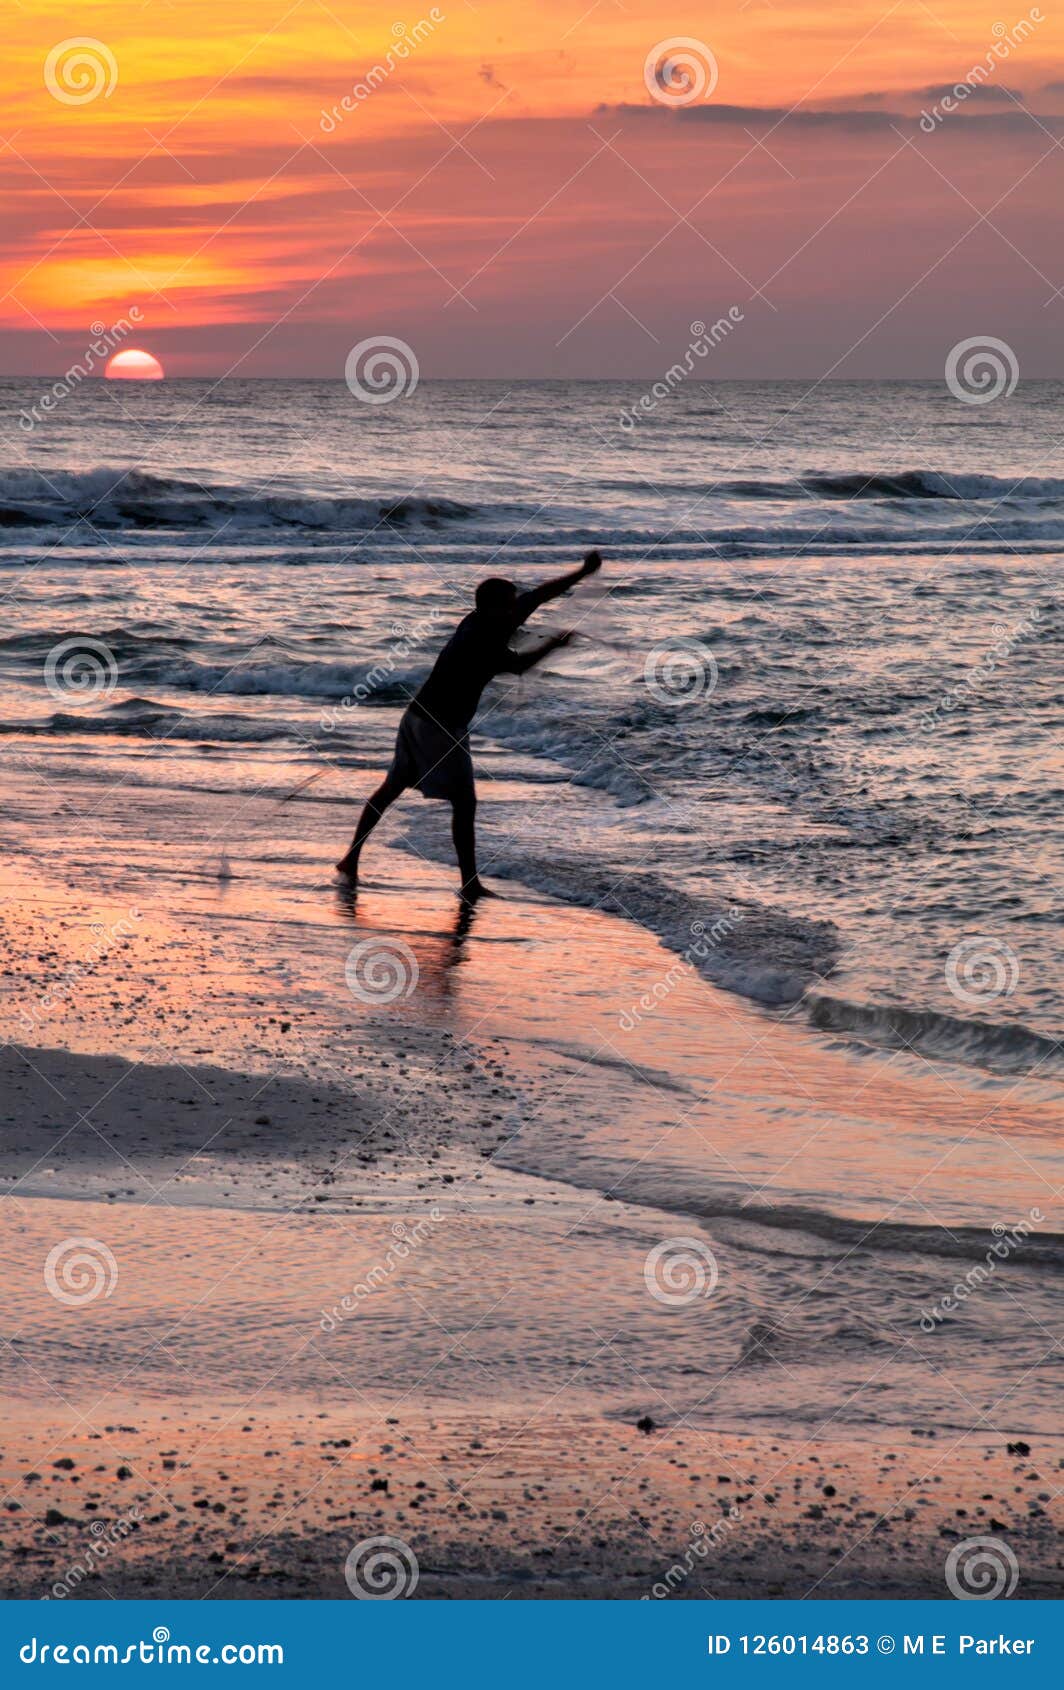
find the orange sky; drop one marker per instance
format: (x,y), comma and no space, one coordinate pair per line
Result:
(513,198)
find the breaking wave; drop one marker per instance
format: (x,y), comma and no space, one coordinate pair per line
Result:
(138,499)
(1005,1047)
(900,484)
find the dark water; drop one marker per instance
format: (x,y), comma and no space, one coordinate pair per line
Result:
(818,684)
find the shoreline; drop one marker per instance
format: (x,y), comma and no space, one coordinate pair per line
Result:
(483,1169)
(239,1125)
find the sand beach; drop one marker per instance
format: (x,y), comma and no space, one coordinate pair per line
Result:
(381,1268)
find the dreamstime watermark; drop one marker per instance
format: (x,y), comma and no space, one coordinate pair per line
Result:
(380,369)
(80,670)
(981,369)
(981,1569)
(703,1539)
(1006,641)
(679,71)
(378,971)
(980,969)
(704,339)
(1005,40)
(80,69)
(405,1241)
(1007,1239)
(680,673)
(703,940)
(160,1651)
(67,983)
(105,340)
(679,1271)
(380,1569)
(78,1270)
(403,44)
(405,642)
(103,1538)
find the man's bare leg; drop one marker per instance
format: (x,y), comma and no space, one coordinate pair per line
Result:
(374,808)
(463,831)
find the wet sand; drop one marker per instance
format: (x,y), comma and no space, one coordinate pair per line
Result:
(263,1502)
(526,1025)
(480,1168)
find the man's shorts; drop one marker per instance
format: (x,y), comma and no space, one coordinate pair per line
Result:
(432,759)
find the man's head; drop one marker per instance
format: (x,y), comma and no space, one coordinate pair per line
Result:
(496,595)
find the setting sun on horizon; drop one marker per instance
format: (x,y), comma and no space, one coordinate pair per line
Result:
(134,365)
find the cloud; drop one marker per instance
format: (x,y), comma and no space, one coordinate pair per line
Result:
(847,120)
(975,91)
(932,91)
(719,116)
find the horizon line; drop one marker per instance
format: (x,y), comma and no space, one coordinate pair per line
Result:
(528,381)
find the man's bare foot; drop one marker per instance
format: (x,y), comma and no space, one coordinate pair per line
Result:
(474,890)
(348,865)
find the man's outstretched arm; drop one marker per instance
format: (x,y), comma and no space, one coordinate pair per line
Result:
(519,662)
(530,601)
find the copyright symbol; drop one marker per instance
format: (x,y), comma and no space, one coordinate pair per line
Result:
(885,1645)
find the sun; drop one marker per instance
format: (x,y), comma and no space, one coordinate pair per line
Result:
(134,365)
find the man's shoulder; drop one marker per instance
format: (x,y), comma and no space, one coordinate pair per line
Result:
(480,631)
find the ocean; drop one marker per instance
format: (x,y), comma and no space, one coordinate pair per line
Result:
(818,680)
(808,738)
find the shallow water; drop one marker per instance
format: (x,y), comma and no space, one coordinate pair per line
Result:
(879,1240)
(544,1307)
(806,739)
(818,680)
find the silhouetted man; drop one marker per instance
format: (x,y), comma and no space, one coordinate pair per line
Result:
(432,745)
